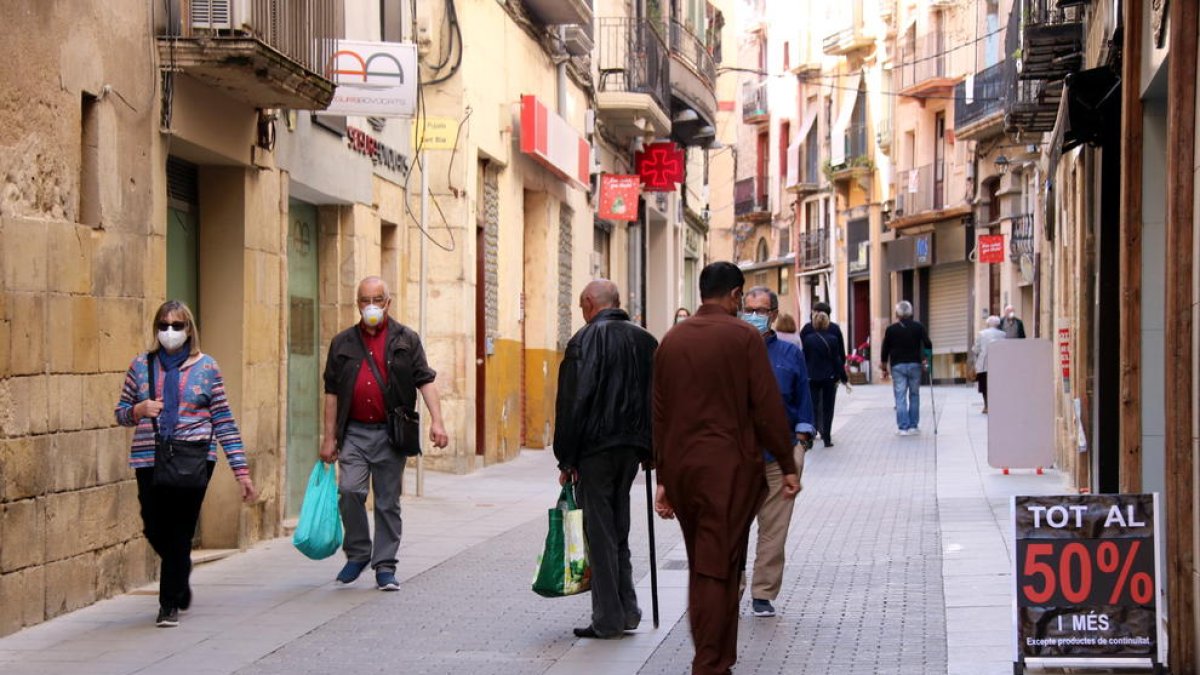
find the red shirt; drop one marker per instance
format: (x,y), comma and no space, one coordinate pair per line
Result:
(367,403)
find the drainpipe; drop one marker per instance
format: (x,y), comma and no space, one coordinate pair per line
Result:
(561,73)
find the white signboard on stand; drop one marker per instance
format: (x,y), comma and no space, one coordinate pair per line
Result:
(1020,404)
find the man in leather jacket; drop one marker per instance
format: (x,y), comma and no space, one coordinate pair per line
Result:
(602,431)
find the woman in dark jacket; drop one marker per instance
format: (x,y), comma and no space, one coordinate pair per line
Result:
(825,356)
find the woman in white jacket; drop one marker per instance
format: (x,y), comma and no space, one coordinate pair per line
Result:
(980,353)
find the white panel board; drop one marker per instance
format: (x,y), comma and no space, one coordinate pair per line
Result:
(1021,404)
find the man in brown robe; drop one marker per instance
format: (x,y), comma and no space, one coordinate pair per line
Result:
(716,407)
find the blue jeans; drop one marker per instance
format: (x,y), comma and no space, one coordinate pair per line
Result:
(906,379)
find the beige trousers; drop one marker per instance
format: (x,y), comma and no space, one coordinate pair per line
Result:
(774,519)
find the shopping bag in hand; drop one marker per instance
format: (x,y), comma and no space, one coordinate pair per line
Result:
(319,533)
(563,567)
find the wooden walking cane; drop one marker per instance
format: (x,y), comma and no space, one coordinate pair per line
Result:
(653,564)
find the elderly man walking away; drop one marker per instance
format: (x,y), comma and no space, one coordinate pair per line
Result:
(374,361)
(761,307)
(602,432)
(904,343)
(716,408)
(979,351)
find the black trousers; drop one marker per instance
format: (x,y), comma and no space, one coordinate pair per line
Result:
(169,517)
(824,395)
(603,494)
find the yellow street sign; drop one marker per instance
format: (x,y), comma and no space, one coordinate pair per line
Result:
(434,133)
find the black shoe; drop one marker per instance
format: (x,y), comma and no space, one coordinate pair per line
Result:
(167,618)
(632,622)
(351,571)
(590,632)
(829,444)
(185,599)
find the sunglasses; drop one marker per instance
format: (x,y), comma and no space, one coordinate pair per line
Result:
(173,325)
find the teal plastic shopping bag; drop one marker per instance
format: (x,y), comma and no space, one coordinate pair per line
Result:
(319,533)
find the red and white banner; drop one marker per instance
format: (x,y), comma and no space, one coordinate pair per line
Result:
(991,249)
(619,196)
(552,142)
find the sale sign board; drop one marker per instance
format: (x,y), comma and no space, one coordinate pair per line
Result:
(619,196)
(1086,573)
(991,249)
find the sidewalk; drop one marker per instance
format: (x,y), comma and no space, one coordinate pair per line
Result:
(898,563)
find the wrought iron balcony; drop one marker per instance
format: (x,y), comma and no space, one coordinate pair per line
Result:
(852,35)
(986,108)
(921,189)
(750,199)
(1052,39)
(813,248)
(693,82)
(1032,106)
(634,76)
(1020,244)
(262,52)
(924,67)
(754,101)
(693,52)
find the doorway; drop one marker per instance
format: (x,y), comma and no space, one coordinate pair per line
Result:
(304,387)
(183,234)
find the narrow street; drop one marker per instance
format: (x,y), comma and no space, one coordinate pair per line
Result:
(899,562)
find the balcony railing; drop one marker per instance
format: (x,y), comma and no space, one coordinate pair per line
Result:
(813,248)
(1032,106)
(754,101)
(921,189)
(303,32)
(694,52)
(632,57)
(748,199)
(856,143)
(1052,38)
(923,62)
(1020,244)
(988,96)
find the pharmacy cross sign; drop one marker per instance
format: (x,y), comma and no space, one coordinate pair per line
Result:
(660,166)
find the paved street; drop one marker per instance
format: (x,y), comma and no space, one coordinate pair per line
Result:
(898,563)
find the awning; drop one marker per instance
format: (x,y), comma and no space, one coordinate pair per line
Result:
(793,163)
(809,120)
(837,150)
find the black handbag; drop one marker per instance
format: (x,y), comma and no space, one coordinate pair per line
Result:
(403,423)
(177,464)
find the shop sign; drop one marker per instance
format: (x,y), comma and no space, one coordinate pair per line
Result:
(619,196)
(923,250)
(380,154)
(991,249)
(551,141)
(374,79)
(661,166)
(1086,578)
(1064,356)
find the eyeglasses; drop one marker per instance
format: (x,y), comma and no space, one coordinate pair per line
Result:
(377,300)
(173,325)
(761,311)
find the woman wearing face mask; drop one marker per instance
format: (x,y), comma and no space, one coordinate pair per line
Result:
(681,314)
(826,358)
(187,404)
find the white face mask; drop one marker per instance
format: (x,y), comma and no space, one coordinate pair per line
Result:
(172,339)
(372,315)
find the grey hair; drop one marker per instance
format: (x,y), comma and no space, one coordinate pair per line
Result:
(904,309)
(993,321)
(763,290)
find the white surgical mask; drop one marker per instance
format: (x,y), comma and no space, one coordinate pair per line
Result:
(172,339)
(372,315)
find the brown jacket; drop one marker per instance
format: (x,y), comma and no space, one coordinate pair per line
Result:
(716,406)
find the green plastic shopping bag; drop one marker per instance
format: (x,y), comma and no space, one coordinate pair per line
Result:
(319,533)
(563,567)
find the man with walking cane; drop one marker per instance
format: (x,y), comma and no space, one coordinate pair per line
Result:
(602,432)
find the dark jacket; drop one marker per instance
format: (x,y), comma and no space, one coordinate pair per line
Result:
(1013,328)
(604,386)
(825,355)
(406,369)
(833,329)
(904,342)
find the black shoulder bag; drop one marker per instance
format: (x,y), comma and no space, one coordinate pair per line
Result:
(403,424)
(177,464)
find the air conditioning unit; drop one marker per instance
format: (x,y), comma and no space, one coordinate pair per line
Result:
(577,41)
(219,14)
(898,206)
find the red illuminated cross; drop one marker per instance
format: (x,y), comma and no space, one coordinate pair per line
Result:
(660,166)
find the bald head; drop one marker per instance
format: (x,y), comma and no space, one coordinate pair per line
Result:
(598,295)
(373,287)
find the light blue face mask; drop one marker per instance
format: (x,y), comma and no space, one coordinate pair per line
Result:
(759,322)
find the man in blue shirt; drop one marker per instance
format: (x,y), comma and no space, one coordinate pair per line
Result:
(760,308)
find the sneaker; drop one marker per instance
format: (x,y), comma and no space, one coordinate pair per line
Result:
(763,608)
(913,432)
(386,580)
(167,618)
(351,571)
(902,432)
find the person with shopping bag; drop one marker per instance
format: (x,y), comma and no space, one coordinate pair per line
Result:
(175,397)
(318,533)
(602,433)
(372,375)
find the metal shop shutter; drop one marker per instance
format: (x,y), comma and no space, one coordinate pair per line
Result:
(949,327)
